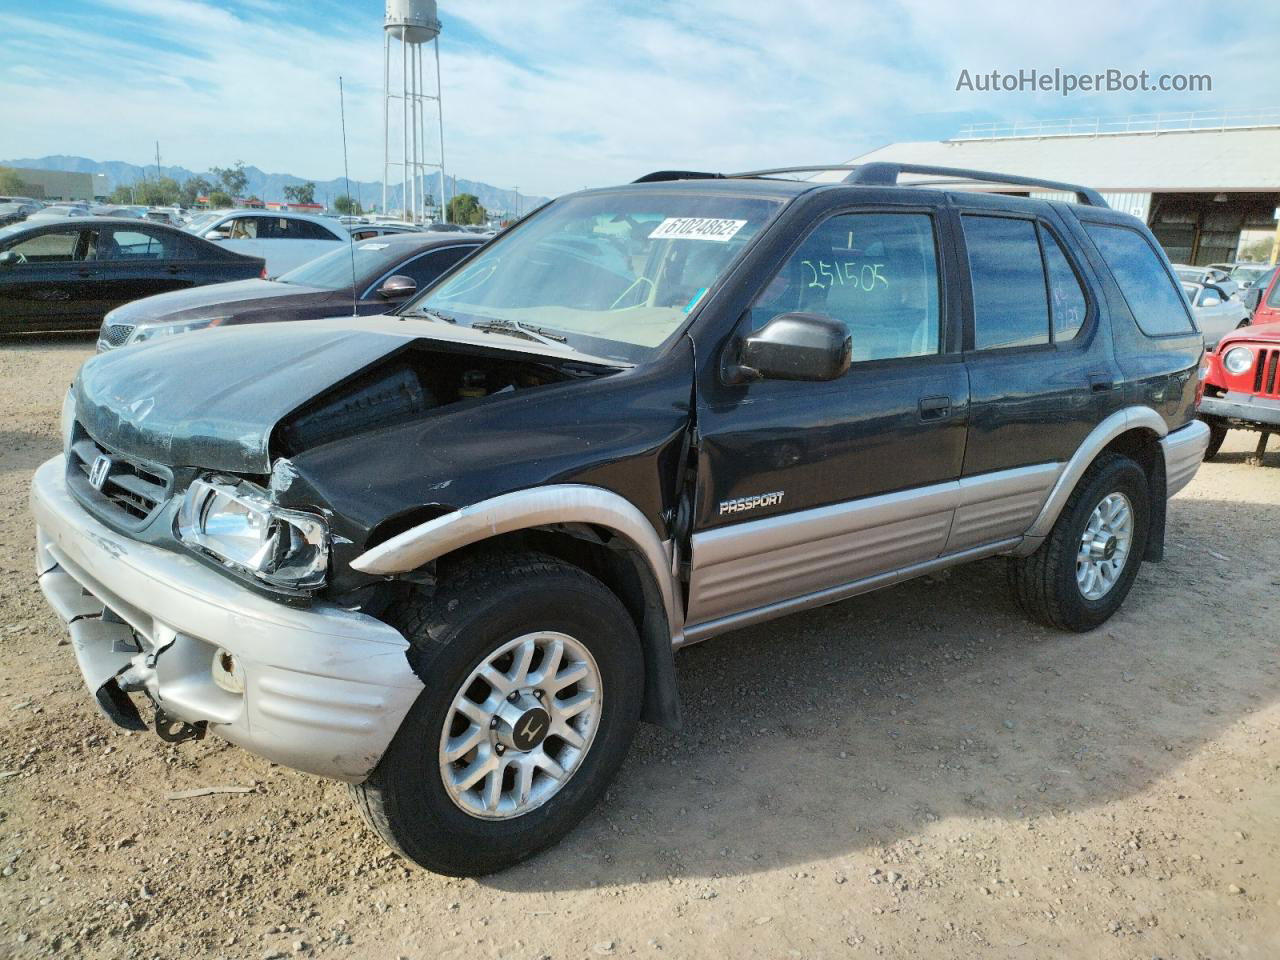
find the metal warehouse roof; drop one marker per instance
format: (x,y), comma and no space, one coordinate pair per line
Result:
(1242,159)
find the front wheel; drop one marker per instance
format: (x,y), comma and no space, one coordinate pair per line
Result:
(1084,569)
(534,679)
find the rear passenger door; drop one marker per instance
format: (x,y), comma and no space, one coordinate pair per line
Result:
(141,261)
(809,487)
(1041,367)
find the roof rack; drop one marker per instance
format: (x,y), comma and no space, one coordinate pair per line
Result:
(886,174)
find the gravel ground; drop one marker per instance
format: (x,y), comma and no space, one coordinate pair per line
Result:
(914,772)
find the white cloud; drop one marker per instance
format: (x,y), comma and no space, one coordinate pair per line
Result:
(565,93)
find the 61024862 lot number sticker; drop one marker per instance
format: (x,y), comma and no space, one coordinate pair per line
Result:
(697,228)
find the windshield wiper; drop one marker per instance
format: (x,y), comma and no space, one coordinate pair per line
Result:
(437,315)
(515,328)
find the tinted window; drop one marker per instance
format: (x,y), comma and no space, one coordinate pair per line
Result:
(1067,302)
(426,268)
(49,247)
(282,228)
(875,272)
(137,245)
(1009,304)
(1148,288)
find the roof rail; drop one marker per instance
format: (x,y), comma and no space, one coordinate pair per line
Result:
(659,176)
(886,174)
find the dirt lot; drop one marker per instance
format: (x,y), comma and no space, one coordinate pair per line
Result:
(915,772)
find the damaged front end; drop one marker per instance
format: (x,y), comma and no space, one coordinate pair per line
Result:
(193,560)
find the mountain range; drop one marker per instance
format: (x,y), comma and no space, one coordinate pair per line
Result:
(270,186)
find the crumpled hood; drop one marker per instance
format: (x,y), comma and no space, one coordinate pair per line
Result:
(212,398)
(211,300)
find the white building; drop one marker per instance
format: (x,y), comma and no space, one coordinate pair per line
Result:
(1198,182)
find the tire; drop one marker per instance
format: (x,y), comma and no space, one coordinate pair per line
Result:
(486,604)
(1217,434)
(1247,321)
(1045,584)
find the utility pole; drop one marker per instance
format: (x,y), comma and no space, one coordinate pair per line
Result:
(157,161)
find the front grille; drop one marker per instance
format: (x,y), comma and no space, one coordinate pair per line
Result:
(1266,376)
(114,334)
(120,488)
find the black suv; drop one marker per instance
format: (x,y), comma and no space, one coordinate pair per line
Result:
(446,555)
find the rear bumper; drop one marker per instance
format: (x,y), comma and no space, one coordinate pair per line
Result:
(324,689)
(1183,453)
(1243,406)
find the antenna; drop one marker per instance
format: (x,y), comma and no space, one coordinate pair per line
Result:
(346,179)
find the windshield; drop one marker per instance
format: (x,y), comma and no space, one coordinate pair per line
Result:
(200,221)
(333,270)
(1248,274)
(614,274)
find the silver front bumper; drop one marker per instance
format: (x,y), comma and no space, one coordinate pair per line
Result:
(325,689)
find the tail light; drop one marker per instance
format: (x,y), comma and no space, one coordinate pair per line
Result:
(1204,375)
(262,274)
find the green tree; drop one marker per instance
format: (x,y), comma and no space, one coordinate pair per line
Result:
(10,182)
(347,206)
(301,193)
(233,179)
(121,196)
(220,199)
(164,192)
(464,208)
(1259,251)
(196,186)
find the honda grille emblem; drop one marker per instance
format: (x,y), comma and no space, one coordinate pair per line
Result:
(98,472)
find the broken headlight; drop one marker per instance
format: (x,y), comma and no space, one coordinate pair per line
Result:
(235,522)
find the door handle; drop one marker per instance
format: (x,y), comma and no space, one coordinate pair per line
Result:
(1101,382)
(935,408)
(174,268)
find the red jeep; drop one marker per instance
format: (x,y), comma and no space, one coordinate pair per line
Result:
(1242,387)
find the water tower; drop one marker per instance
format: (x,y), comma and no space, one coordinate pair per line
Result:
(414,24)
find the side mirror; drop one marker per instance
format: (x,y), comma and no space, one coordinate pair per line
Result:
(794,346)
(8,259)
(1209,300)
(397,287)
(215,235)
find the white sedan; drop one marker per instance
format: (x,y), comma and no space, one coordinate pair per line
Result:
(284,240)
(1216,313)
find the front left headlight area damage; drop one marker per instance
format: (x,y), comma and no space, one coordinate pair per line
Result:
(236,523)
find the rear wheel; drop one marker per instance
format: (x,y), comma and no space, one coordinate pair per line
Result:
(1083,571)
(534,679)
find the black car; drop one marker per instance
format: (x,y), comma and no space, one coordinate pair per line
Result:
(66,274)
(446,555)
(372,276)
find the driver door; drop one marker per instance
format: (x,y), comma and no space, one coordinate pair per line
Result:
(50,281)
(805,488)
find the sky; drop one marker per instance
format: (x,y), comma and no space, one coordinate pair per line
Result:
(556,95)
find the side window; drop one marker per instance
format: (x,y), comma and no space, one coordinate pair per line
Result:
(1146,284)
(306,230)
(427,267)
(53,247)
(1067,302)
(137,245)
(1010,308)
(244,228)
(877,273)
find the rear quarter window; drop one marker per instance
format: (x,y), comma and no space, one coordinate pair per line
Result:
(1157,303)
